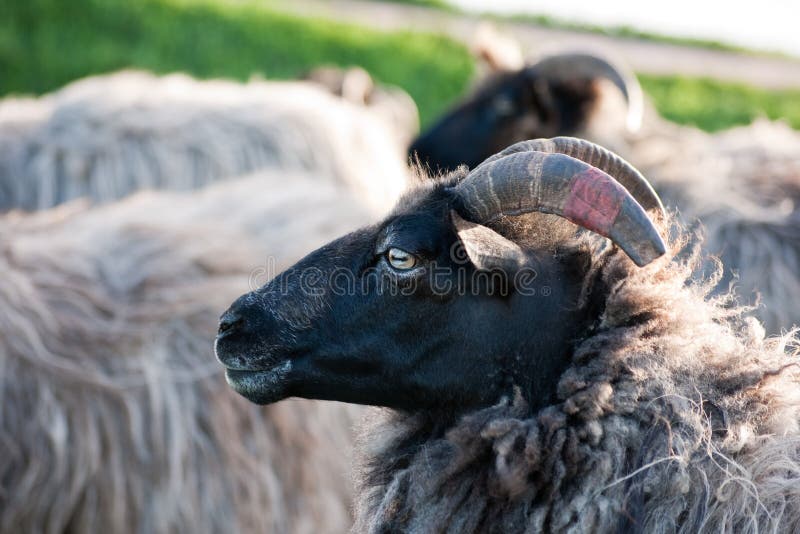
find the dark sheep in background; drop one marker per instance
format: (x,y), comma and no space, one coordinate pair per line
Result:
(742,185)
(581,95)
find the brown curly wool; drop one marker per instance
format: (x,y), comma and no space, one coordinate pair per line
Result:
(743,187)
(676,415)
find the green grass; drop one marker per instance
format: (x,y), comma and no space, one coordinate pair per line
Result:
(47,43)
(715,105)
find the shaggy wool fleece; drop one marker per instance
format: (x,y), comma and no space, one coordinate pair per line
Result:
(742,186)
(105,137)
(114,414)
(676,415)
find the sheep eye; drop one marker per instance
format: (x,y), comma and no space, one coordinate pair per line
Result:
(400,259)
(503,106)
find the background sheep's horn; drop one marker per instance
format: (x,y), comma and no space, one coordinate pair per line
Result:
(528,182)
(582,65)
(596,156)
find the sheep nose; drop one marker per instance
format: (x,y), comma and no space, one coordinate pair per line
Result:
(228,322)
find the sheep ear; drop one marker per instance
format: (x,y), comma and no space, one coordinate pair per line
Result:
(486,249)
(500,53)
(357,86)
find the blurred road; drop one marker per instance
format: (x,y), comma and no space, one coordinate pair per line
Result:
(643,56)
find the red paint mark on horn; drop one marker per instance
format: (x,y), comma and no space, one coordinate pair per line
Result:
(594,201)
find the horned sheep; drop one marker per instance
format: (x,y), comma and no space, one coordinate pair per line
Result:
(535,376)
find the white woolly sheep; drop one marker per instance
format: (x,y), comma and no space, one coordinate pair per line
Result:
(113,416)
(105,137)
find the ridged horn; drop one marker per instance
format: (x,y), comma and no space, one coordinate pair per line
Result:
(568,66)
(596,156)
(559,184)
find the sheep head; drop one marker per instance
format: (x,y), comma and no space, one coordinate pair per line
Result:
(434,307)
(559,95)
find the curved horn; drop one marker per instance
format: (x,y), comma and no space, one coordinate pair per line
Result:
(527,182)
(571,65)
(596,156)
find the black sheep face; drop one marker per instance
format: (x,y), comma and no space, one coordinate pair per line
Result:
(408,314)
(428,310)
(507,108)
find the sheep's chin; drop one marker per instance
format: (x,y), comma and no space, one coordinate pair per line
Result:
(261,387)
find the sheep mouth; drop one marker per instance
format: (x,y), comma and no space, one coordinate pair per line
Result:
(263,386)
